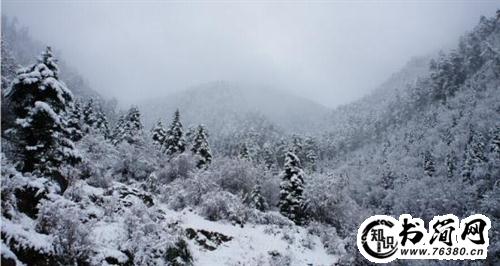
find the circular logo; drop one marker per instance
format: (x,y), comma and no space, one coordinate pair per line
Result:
(377,238)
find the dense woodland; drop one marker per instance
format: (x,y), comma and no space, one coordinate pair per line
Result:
(426,142)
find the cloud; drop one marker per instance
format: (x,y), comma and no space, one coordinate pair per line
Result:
(329,52)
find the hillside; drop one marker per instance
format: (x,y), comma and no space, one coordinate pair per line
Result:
(224,107)
(22,48)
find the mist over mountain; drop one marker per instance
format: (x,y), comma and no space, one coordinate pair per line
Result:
(224,106)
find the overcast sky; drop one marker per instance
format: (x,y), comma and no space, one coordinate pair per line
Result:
(331,52)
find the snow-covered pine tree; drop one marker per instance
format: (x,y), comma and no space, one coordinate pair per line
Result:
(201,148)
(9,66)
(134,119)
(40,102)
(74,122)
(451,160)
(495,141)
(101,125)
(467,166)
(256,200)
(128,128)
(8,73)
(89,116)
(158,134)
(474,157)
(243,152)
(267,155)
(478,148)
(310,153)
(291,201)
(119,131)
(429,168)
(175,142)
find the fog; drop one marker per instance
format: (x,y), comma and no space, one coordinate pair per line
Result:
(332,52)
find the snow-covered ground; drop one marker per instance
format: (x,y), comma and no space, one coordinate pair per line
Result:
(254,244)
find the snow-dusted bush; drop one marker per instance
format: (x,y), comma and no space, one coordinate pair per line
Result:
(99,158)
(21,198)
(190,192)
(136,162)
(441,196)
(181,166)
(268,218)
(234,175)
(329,201)
(151,241)
(332,242)
(223,205)
(68,223)
(240,177)
(278,259)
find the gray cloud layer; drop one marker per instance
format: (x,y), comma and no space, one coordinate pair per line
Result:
(331,52)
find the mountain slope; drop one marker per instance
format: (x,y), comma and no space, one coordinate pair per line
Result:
(224,107)
(23,49)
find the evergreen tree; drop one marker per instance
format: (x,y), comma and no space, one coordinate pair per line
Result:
(175,142)
(74,122)
(201,148)
(474,157)
(158,134)
(478,148)
(256,200)
(429,168)
(119,131)
(280,151)
(8,73)
(40,102)
(101,125)
(9,66)
(387,176)
(467,166)
(89,116)
(268,156)
(310,153)
(495,140)
(291,201)
(244,153)
(450,164)
(128,128)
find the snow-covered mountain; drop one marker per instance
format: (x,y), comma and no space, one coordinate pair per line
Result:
(223,106)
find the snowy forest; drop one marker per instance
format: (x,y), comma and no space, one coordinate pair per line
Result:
(212,175)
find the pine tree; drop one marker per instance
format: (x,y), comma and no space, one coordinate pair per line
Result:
(101,125)
(291,201)
(268,156)
(119,131)
(128,128)
(474,157)
(310,153)
(89,116)
(467,166)
(450,164)
(74,122)
(429,168)
(158,134)
(256,200)
(201,148)
(175,142)
(478,148)
(495,141)
(40,102)
(244,153)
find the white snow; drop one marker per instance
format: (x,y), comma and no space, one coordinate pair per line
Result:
(251,244)
(25,237)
